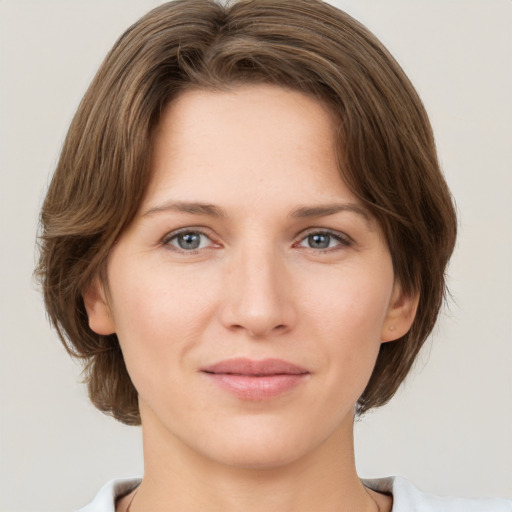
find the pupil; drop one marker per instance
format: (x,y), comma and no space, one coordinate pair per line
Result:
(319,241)
(189,240)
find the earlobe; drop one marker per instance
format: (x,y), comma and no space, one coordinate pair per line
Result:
(98,310)
(400,315)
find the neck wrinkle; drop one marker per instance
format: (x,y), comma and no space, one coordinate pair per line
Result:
(177,478)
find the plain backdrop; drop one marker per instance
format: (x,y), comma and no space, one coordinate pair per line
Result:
(449,429)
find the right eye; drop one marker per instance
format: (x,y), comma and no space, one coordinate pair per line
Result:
(188,240)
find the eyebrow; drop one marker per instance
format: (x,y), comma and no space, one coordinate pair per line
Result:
(187,207)
(304,212)
(301,212)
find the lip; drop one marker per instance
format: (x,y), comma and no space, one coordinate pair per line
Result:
(249,379)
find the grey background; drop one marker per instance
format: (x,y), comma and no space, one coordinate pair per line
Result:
(449,429)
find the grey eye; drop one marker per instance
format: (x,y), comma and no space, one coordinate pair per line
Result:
(189,241)
(319,241)
(322,240)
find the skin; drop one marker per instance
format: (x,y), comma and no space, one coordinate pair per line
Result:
(257,287)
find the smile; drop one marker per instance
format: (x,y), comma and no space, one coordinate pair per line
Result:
(255,380)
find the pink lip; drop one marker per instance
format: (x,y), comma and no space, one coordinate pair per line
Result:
(255,380)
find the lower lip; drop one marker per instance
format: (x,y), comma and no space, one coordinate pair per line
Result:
(251,387)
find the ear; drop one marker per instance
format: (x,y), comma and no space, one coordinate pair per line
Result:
(98,310)
(400,316)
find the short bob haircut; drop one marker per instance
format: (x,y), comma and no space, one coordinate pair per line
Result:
(385,147)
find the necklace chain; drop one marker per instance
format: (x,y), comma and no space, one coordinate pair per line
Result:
(135,494)
(131,501)
(371,497)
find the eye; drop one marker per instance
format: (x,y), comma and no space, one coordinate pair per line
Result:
(322,240)
(188,240)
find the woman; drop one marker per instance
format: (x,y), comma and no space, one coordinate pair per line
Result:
(245,241)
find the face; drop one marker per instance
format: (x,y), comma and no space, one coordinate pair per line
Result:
(252,291)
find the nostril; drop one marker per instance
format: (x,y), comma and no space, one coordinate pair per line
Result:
(259,331)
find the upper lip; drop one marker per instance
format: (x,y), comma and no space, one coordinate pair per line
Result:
(245,366)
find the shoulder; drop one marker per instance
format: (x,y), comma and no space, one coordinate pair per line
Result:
(105,500)
(407,498)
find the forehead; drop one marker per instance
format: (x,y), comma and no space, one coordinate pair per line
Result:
(269,115)
(258,138)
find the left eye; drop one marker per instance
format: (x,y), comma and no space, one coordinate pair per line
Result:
(189,240)
(321,241)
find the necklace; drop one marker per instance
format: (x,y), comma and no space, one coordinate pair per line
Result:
(135,494)
(367,492)
(131,501)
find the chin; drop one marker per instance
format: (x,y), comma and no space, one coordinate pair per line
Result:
(260,446)
(267,456)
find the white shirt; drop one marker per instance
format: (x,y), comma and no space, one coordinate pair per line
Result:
(406,498)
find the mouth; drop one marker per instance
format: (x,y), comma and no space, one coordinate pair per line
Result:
(256,380)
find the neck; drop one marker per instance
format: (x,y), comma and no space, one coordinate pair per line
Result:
(178,478)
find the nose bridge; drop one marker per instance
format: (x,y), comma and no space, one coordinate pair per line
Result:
(256,298)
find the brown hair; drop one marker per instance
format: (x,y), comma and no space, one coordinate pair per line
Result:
(386,150)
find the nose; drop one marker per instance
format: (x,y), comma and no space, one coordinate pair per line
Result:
(257,295)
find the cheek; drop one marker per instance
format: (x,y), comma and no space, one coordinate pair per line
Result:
(354,305)
(347,320)
(159,312)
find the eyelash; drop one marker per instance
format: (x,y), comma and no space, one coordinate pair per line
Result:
(166,241)
(344,241)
